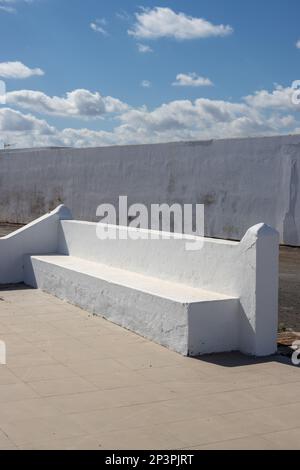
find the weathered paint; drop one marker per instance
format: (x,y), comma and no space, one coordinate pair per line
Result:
(240,181)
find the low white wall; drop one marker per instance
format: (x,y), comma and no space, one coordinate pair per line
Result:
(39,237)
(242,182)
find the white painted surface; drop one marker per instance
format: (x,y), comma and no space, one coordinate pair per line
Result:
(241,181)
(150,285)
(258,271)
(222,297)
(166,259)
(40,236)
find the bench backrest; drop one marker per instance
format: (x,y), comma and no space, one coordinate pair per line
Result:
(209,266)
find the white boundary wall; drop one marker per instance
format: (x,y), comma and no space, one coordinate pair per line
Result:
(240,181)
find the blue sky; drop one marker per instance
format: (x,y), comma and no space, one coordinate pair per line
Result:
(147,71)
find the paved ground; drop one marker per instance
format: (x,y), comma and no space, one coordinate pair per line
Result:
(74,381)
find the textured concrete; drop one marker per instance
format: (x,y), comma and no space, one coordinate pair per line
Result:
(242,182)
(73,381)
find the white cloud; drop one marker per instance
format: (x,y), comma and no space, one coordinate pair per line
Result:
(123,15)
(143,48)
(146,84)
(98,26)
(280,98)
(298,44)
(12,121)
(196,120)
(191,79)
(10,6)
(77,103)
(7,9)
(18,70)
(164,22)
(177,120)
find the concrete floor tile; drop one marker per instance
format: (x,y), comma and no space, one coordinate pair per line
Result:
(73,443)
(139,439)
(42,372)
(6,443)
(66,386)
(16,345)
(284,440)
(4,327)
(231,401)
(116,419)
(150,359)
(33,359)
(281,417)
(115,398)
(249,443)
(30,431)
(281,394)
(69,354)
(265,420)
(7,377)
(16,392)
(208,430)
(95,367)
(81,402)
(75,381)
(117,379)
(136,416)
(173,373)
(26,409)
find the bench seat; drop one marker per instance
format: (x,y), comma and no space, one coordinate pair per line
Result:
(188,320)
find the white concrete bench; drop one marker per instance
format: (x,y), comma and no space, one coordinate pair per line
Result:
(223,297)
